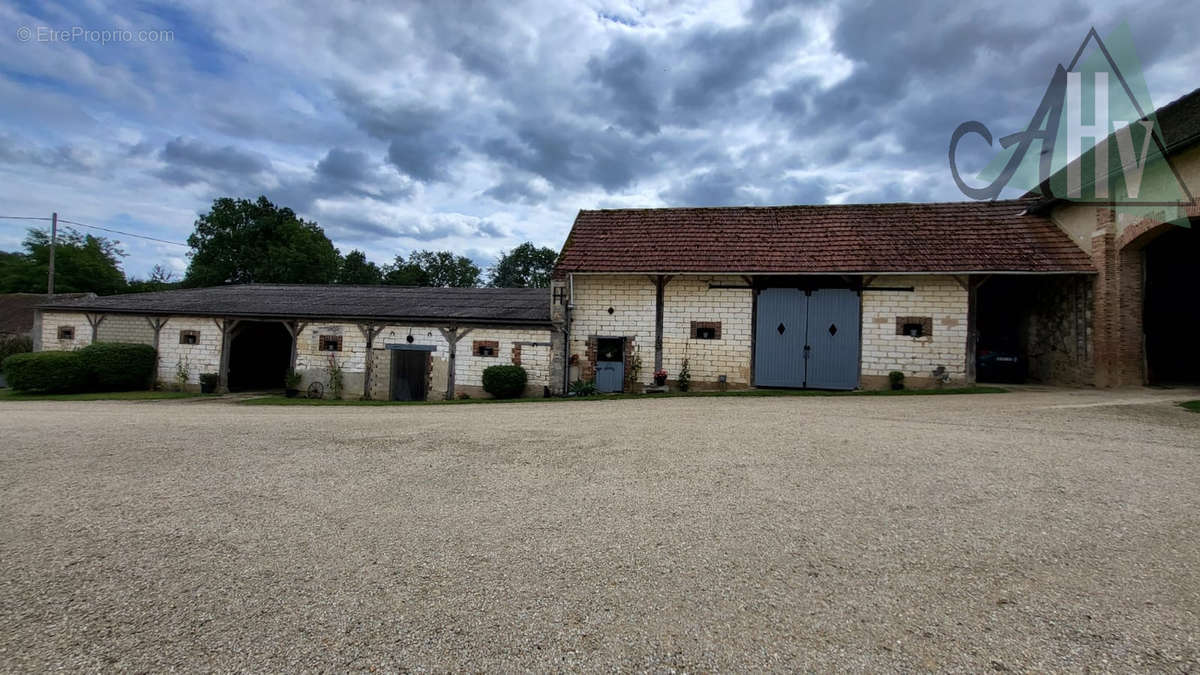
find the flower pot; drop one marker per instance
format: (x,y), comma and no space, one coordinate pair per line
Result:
(660,381)
(291,393)
(208,387)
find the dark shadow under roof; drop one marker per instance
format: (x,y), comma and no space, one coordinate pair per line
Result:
(948,237)
(382,303)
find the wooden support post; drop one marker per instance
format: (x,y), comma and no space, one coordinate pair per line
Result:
(369,331)
(157,323)
(452,335)
(94,320)
(972,285)
(294,328)
(226,327)
(660,284)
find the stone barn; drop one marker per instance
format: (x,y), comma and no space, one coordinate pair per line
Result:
(389,342)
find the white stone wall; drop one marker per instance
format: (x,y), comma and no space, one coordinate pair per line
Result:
(685,299)
(203,357)
(938,297)
(469,368)
(50,323)
(126,328)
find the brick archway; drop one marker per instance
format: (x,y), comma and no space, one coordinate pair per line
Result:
(1120,340)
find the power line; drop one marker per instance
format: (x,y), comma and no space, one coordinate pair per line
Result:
(127,234)
(97,227)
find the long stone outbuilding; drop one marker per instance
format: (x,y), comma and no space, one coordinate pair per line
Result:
(388,342)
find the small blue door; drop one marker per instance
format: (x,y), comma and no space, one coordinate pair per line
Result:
(610,364)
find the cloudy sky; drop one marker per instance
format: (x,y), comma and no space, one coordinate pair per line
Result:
(475,126)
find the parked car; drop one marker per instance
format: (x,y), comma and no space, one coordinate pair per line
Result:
(1000,360)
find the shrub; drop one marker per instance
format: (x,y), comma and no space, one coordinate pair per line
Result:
(46,372)
(117,366)
(292,380)
(582,388)
(896,380)
(684,379)
(504,381)
(14,344)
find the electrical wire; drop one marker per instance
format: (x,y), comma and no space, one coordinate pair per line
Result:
(97,227)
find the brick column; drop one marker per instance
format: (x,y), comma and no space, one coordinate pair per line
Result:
(1106,339)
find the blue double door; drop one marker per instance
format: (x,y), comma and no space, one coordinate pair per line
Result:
(807,338)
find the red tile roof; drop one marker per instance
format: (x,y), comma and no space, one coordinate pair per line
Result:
(946,237)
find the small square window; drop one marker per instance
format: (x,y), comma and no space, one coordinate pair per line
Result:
(485,347)
(66,332)
(330,343)
(706,330)
(189,337)
(914,326)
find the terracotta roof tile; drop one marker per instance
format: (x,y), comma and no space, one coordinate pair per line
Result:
(943,237)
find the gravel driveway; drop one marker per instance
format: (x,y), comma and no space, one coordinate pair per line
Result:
(1027,531)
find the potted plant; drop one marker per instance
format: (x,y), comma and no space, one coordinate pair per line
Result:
(660,377)
(208,382)
(896,380)
(291,384)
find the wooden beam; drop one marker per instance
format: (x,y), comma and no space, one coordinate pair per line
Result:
(452,336)
(660,284)
(157,323)
(294,328)
(94,320)
(369,331)
(226,327)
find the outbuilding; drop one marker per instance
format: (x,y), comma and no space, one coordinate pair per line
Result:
(387,342)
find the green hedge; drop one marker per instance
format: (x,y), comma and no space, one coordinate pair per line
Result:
(14,344)
(46,372)
(504,381)
(103,366)
(117,366)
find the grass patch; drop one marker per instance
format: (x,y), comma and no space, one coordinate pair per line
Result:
(1194,406)
(10,395)
(742,393)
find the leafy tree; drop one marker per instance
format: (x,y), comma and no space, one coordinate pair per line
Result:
(433,268)
(356,269)
(240,241)
(526,266)
(82,263)
(403,273)
(160,279)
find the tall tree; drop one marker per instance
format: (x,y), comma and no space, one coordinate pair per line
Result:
(160,279)
(356,269)
(240,241)
(82,263)
(526,266)
(433,268)
(444,268)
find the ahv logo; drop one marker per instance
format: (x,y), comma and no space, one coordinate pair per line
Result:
(1096,138)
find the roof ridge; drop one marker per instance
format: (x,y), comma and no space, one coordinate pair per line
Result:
(769,207)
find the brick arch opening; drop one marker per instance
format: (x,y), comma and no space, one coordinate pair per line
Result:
(1156,322)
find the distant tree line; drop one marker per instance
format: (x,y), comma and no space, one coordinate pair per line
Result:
(240,241)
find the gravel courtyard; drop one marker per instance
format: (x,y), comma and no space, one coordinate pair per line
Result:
(1026,531)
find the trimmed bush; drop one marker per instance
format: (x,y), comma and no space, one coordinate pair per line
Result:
(46,372)
(504,381)
(117,366)
(14,344)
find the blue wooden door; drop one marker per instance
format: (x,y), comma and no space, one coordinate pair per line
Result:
(779,338)
(807,339)
(610,375)
(833,327)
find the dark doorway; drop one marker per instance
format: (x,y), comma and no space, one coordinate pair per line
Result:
(1170,316)
(258,356)
(410,374)
(1002,322)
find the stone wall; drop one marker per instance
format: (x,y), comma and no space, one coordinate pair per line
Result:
(939,298)
(1058,334)
(686,299)
(529,346)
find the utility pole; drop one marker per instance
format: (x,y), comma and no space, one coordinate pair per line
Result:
(53,239)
